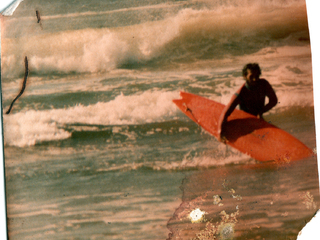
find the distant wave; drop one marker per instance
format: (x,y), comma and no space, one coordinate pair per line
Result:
(92,13)
(186,36)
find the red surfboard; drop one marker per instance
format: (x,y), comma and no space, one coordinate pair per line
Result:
(244,132)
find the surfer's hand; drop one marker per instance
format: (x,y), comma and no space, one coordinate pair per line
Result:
(221,129)
(260,114)
(221,137)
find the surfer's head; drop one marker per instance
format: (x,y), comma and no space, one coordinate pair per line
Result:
(254,67)
(251,73)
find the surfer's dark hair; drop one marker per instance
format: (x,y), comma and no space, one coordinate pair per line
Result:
(253,67)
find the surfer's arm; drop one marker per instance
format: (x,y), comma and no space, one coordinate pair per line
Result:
(273,100)
(234,101)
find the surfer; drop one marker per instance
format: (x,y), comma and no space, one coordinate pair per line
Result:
(251,96)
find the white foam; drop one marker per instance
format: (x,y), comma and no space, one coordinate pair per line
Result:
(31,127)
(98,50)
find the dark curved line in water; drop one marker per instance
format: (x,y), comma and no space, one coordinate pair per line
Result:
(23,84)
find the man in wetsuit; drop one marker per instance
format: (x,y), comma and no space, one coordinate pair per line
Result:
(251,96)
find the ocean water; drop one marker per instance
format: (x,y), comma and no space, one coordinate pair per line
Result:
(95,148)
